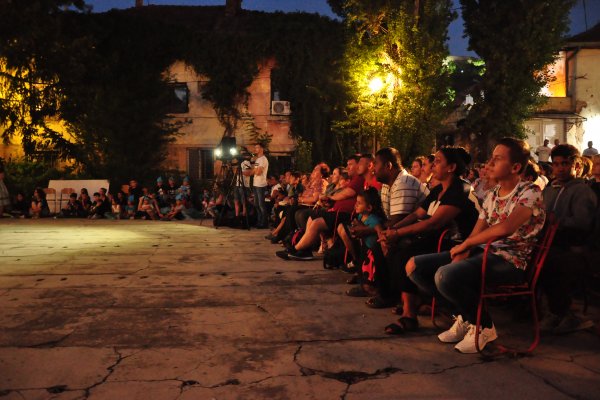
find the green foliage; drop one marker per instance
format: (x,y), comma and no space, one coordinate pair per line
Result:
(104,76)
(256,135)
(404,47)
(24,176)
(516,39)
(303,156)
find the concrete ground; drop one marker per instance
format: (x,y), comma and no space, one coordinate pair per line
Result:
(166,310)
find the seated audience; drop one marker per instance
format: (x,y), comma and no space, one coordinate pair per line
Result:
(573,204)
(39,205)
(326,221)
(512,216)
(176,210)
(450,205)
(97,209)
(20,208)
(368,213)
(483,184)
(130,209)
(116,211)
(86,203)
(401,193)
(72,209)
(147,209)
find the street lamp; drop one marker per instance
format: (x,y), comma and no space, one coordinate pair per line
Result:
(375,85)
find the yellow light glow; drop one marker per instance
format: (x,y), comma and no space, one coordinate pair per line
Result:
(375,85)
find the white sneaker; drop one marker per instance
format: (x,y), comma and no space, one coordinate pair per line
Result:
(467,345)
(456,333)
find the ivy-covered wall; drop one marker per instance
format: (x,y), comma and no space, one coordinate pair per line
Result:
(106,72)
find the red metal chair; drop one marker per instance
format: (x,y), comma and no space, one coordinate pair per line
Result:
(528,288)
(439,250)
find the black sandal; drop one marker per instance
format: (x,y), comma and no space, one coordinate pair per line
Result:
(378,302)
(404,325)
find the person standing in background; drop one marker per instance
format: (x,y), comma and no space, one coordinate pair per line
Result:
(261,168)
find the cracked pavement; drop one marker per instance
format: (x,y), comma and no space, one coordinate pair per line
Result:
(167,310)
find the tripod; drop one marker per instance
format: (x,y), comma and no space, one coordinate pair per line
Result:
(233,178)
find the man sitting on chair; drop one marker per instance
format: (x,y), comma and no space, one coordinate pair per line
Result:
(511,217)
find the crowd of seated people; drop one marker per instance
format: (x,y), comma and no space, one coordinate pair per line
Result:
(381,223)
(164,201)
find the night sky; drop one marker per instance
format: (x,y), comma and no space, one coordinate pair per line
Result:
(458,45)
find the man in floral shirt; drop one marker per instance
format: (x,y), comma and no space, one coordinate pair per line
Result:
(512,216)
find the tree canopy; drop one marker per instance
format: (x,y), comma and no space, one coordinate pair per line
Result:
(395,71)
(516,39)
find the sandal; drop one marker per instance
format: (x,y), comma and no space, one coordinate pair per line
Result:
(404,325)
(378,302)
(398,309)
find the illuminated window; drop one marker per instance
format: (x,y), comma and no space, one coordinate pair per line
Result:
(180,96)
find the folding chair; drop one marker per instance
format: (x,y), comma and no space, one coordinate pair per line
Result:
(64,195)
(51,199)
(527,288)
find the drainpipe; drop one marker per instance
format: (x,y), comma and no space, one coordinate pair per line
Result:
(574,89)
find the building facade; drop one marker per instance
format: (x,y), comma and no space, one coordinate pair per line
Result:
(572,113)
(201,132)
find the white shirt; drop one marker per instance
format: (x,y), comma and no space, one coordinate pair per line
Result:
(543,153)
(590,151)
(244,166)
(261,179)
(405,195)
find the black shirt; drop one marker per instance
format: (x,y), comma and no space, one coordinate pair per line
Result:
(459,194)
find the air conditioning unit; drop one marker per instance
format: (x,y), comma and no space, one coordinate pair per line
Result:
(280,108)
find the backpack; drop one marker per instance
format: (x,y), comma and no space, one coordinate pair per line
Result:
(334,257)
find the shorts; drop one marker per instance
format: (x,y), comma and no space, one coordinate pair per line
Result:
(239,194)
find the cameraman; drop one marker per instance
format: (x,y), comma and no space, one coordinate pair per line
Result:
(242,184)
(260,170)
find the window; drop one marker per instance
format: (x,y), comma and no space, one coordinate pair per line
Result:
(180,96)
(557,87)
(200,164)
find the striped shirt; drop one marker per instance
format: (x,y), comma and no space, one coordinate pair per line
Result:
(405,195)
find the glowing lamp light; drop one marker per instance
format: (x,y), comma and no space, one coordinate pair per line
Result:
(218,152)
(375,85)
(233,151)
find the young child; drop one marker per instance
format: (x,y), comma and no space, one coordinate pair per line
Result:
(185,189)
(96,208)
(86,203)
(130,208)
(147,209)
(39,205)
(175,212)
(72,209)
(20,208)
(369,212)
(115,209)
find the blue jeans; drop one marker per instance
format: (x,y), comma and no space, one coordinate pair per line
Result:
(459,283)
(259,206)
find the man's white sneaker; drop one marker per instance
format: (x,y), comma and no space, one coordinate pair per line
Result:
(456,333)
(467,345)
